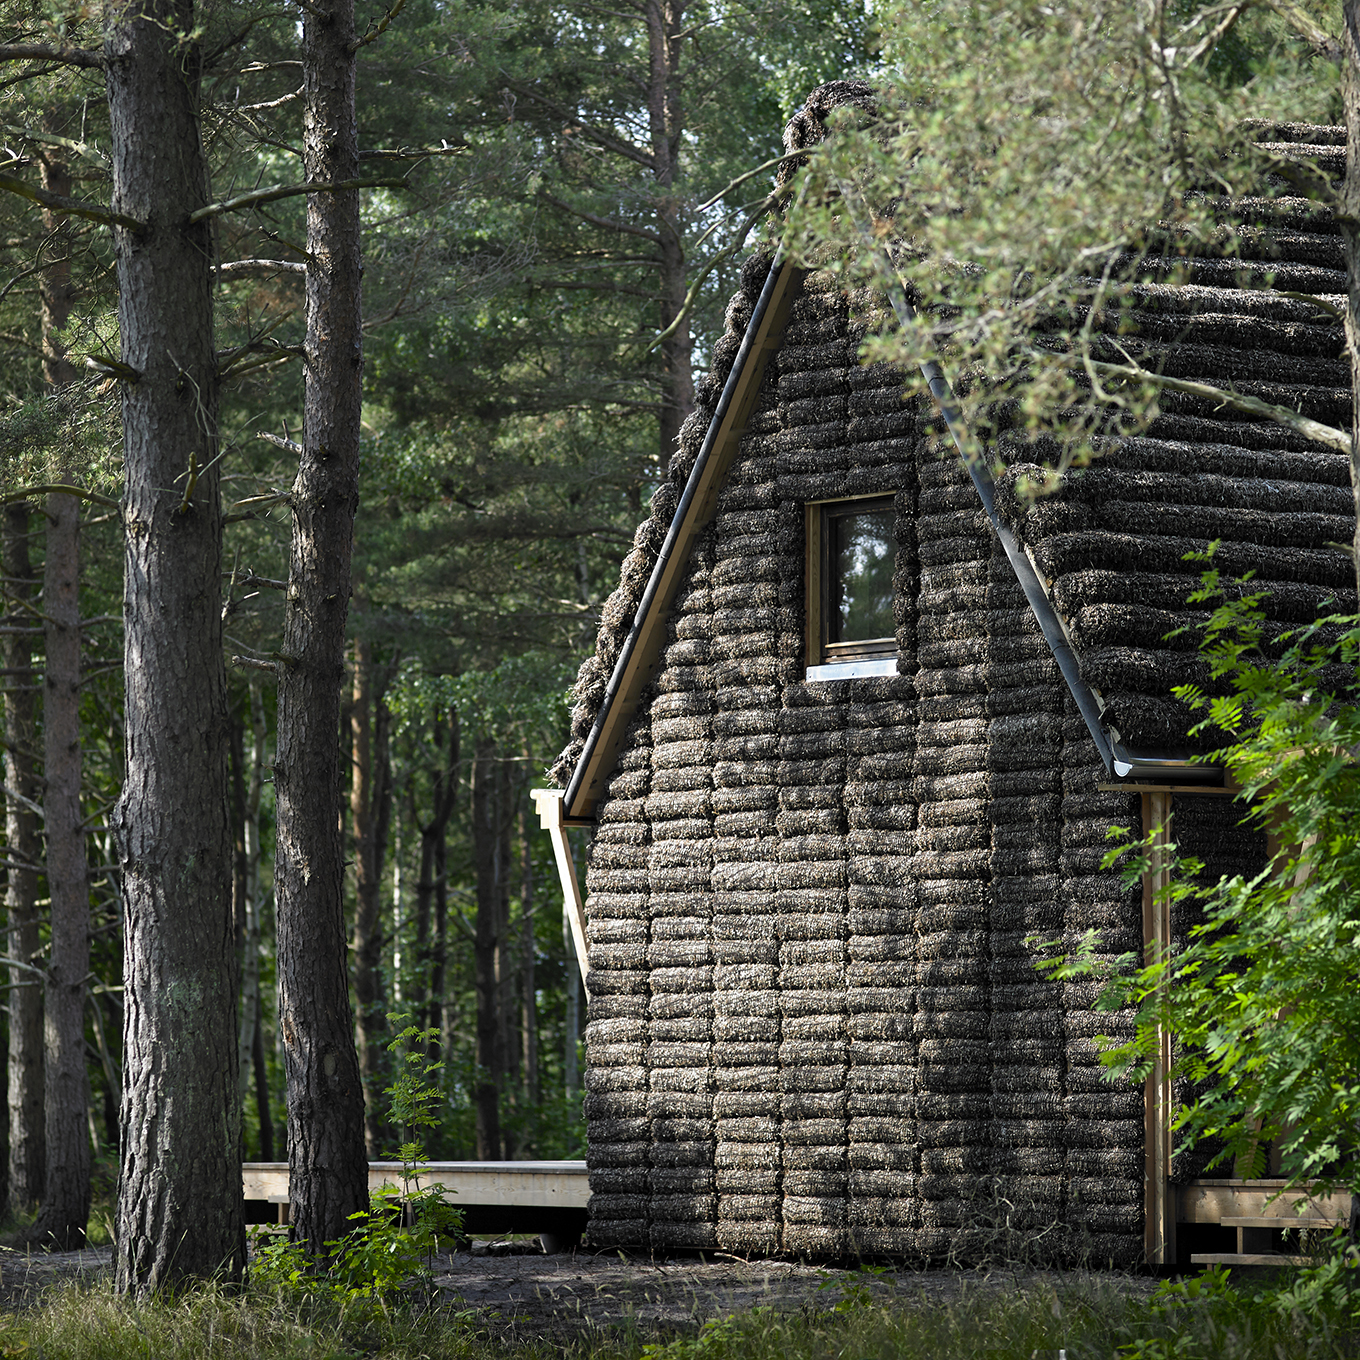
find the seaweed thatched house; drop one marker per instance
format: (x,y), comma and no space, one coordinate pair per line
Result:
(857,726)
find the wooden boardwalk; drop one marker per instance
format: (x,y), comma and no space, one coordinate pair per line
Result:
(548,1198)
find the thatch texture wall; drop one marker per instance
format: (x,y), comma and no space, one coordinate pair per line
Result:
(815,1024)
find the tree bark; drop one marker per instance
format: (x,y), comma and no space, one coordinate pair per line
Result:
(426,995)
(27,1169)
(66,1193)
(528,984)
(66,1184)
(665,24)
(180,1210)
(327,1163)
(262,1109)
(366,798)
(249,904)
(486,842)
(439,950)
(507,1008)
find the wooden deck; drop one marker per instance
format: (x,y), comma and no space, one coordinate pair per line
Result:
(1259,1213)
(548,1198)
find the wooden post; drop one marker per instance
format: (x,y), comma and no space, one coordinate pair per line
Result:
(1159,1231)
(549,804)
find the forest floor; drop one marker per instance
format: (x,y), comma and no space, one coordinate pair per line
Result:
(520,1294)
(27,1273)
(525,1295)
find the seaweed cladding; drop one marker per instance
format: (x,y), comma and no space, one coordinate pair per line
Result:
(815,1025)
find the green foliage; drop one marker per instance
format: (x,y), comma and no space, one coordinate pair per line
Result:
(1199,1318)
(1030,165)
(393,1241)
(1329,1287)
(1004,1318)
(1263,1001)
(523,700)
(855,1292)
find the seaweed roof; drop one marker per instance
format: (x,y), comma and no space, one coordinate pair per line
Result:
(1107,550)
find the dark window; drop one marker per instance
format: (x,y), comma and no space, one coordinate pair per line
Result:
(860,553)
(851,555)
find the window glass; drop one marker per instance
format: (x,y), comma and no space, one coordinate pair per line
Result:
(862,553)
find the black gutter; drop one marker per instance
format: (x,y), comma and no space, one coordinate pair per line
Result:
(1119,762)
(668,546)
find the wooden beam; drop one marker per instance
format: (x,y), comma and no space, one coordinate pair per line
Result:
(554,1185)
(1214,1200)
(641,657)
(1159,1200)
(548,803)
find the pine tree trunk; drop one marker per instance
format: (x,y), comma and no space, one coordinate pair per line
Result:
(180,1210)
(665,23)
(26,1161)
(370,1005)
(248,875)
(485,947)
(327,1163)
(528,984)
(264,1113)
(432,886)
(66,1193)
(439,947)
(66,1099)
(507,994)
(419,991)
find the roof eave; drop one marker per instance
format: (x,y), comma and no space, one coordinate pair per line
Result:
(640,655)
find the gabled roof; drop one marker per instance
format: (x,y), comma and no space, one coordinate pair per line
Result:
(1101,560)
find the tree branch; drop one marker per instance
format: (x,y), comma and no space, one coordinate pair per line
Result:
(750,174)
(1327,435)
(112,368)
(1317,38)
(411,153)
(281,442)
(249,268)
(66,56)
(279,354)
(603,139)
(73,207)
(726,252)
(604,223)
(287,191)
(259,582)
(256,503)
(84,149)
(57,488)
(375,31)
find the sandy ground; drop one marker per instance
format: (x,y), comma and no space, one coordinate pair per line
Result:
(518,1293)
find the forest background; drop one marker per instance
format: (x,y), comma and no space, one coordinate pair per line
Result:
(558,192)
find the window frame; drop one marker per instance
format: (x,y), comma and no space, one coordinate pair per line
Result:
(821,652)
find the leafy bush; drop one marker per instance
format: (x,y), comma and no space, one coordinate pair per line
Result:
(393,1241)
(1263,1001)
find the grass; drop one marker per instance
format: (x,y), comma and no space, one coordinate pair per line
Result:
(1087,1317)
